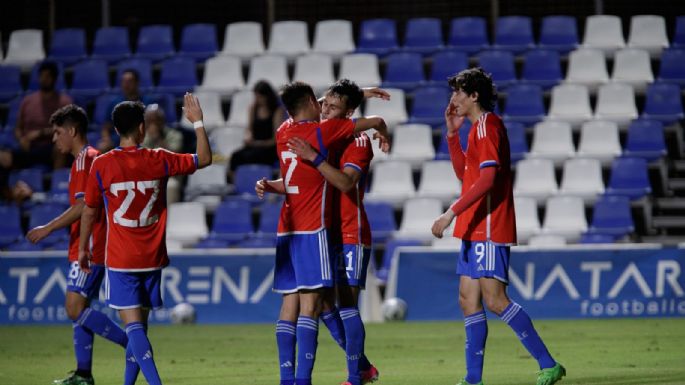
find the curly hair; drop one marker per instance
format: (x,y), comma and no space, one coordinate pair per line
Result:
(474,80)
(347,91)
(71,115)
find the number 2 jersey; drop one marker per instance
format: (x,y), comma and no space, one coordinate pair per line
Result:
(131,183)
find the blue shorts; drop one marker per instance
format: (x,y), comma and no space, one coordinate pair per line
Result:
(353,263)
(86,284)
(484,260)
(303,261)
(130,290)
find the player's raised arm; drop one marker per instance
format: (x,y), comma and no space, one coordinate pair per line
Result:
(191,107)
(376,122)
(342,180)
(375,92)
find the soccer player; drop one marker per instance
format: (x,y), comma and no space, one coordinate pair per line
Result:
(69,126)
(486,224)
(130,181)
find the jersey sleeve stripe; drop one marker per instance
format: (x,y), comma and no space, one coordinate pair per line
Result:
(488,163)
(197,161)
(352,165)
(79,195)
(166,168)
(322,149)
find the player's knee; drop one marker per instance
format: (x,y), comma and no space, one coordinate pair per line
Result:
(496,303)
(468,304)
(311,309)
(73,311)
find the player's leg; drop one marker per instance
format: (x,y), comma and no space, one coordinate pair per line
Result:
(307,334)
(83,342)
(286,326)
(330,315)
(475,322)
(132,369)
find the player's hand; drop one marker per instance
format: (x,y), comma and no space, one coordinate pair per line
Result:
(375,92)
(302,149)
(383,142)
(441,223)
(84,258)
(453,121)
(191,107)
(260,187)
(38,233)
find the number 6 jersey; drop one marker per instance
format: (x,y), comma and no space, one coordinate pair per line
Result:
(131,182)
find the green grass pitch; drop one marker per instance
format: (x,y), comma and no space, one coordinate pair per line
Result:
(602,352)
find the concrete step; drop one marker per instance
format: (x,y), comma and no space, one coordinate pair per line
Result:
(671,222)
(676,183)
(670,203)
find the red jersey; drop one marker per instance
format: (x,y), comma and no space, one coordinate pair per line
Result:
(132,182)
(77,187)
(491,218)
(354,224)
(307,197)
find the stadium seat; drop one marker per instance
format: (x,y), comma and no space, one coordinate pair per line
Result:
(404,70)
(392,182)
(361,68)
(570,103)
(273,69)
(381,220)
(44,213)
(209,181)
(177,76)
(91,78)
(616,103)
(199,41)
(552,140)
(582,178)
(59,186)
(469,34)
(671,69)
(245,178)
(599,140)
(565,216)
(547,241)
(542,68)
(648,32)
(315,70)
(31,176)
(501,65)
(239,114)
(448,242)
(524,104)
(633,66)
(587,67)
(25,245)
(559,33)
(535,179)
(186,223)
(629,178)
(10,226)
(527,220)
(243,39)
(232,221)
(679,34)
(514,33)
(518,145)
(646,140)
(439,181)
(168,104)
(445,64)
(60,85)
(155,42)
(226,140)
(111,44)
(604,32)
(270,213)
(389,254)
(12,115)
(144,69)
(258,242)
(289,38)
(393,111)
(378,155)
(423,35)
(212,114)
(612,216)
(418,215)
(378,37)
(223,74)
(68,45)
(588,238)
(212,243)
(428,106)
(10,83)
(412,143)
(333,37)
(443,147)
(25,48)
(663,103)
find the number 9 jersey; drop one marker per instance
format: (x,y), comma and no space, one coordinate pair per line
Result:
(131,183)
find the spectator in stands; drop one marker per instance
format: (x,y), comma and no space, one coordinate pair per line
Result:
(266,115)
(157,134)
(130,91)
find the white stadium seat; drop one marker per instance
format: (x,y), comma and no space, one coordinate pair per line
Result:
(547,241)
(392,182)
(289,38)
(223,74)
(226,140)
(393,111)
(565,216)
(552,140)
(333,37)
(648,32)
(570,103)
(604,32)
(527,220)
(439,181)
(212,114)
(315,70)
(535,179)
(362,68)
(413,143)
(186,222)
(599,140)
(587,67)
(582,178)
(634,67)
(272,68)
(239,114)
(418,216)
(25,48)
(616,103)
(243,39)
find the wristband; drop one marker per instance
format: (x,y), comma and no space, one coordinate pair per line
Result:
(198,124)
(318,160)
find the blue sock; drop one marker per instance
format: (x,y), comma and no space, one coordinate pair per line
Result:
(285,340)
(103,326)
(335,325)
(83,347)
(307,334)
(131,369)
(519,321)
(476,326)
(142,351)
(354,330)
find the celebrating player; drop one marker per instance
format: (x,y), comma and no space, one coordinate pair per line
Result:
(486,224)
(131,182)
(69,125)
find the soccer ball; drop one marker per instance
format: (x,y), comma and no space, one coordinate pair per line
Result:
(183,313)
(394,309)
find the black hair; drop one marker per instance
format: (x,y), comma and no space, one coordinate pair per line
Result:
(127,116)
(295,95)
(71,115)
(476,80)
(347,91)
(264,88)
(136,75)
(49,66)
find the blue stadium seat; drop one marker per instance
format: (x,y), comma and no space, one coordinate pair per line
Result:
(168,103)
(404,70)
(469,34)
(423,35)
(663,103)
(629,178)
(68,45)
(524,104)
(7,140)
(672,67)
(542,67)
(258,242)
(59,245)
(91,78)
(12,115)
(95,136)
(645,140)
(447,63)
(212,243)
(245,177)
(24,245)
(378,36)
(514,33)
(232,221)
(199,41)
(178,76)
(443,152)
(596,239)
(270,213)
(155,42)
(428,106)
(559,33)
(10,83)
(679,35)
(60,85)
(518,146)
(381,220)
(111,44)
(59,186)
(390,246)
(31,176)
(10,226)
(44,213)
(612,216)
(501,65)
(144,69)
(102,104)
